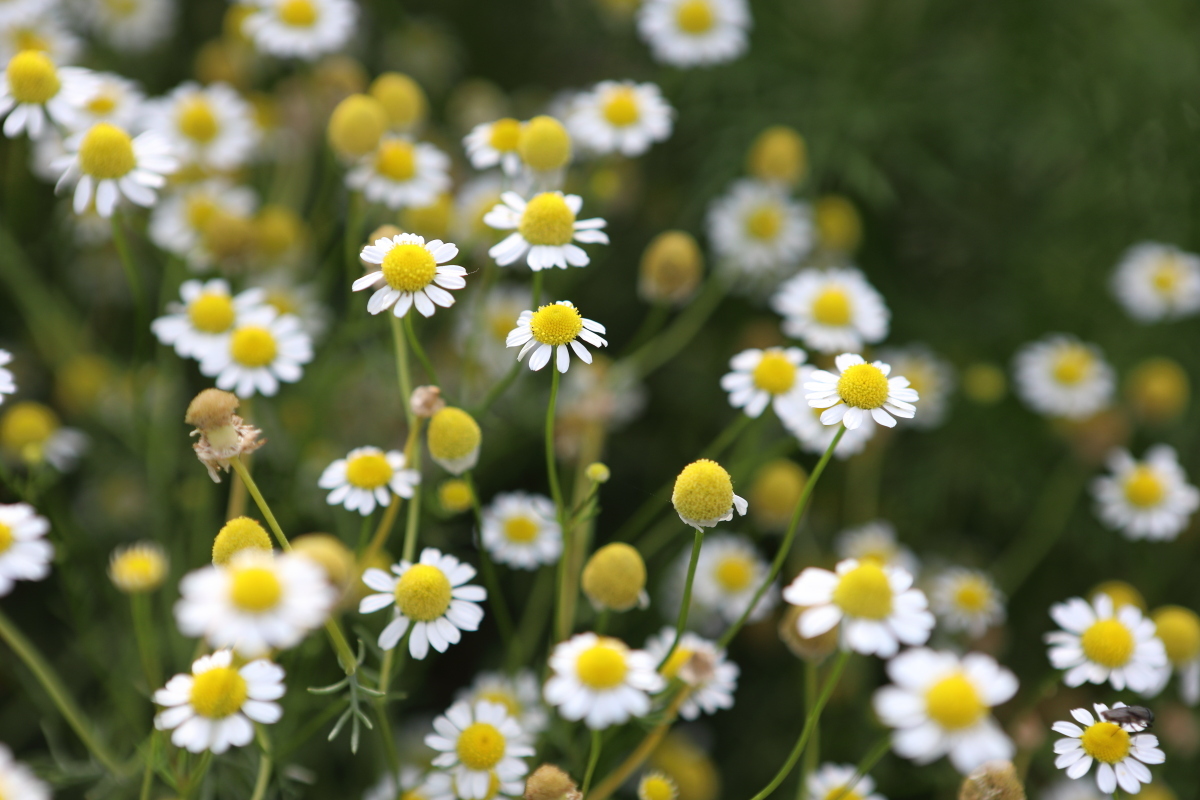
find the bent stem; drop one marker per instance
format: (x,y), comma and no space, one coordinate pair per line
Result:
(869,761)
(681,622)
(594,757)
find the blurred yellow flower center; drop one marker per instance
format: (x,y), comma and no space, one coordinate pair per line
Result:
(211,312)
(102,104)
(863,386)
(252,346)
(396,159)
(521,530)
(556,324)
(1179,629)
(505,134)
(680,657)
(197,121)
(1106,742)
(864,592)
(199,208)
(920,376)
(408,267)
(6,537)
(657,787)
(972,594)
(764,222)
(703,491)
(954,703)
(838,225)
(832,307)
(423,593)
(1143,488)
(1167,275)
(500,323)
(255,589)
(774,373)
(735,572)
(503,698)
(297,13)
(136,570)
(601,666)
(695,16)
(27,424)
(282,302)
(621,107)
(32,77)
(106,152)
(240,533)
(841,793)
(453,434)
(1072,365)
(547,220)
(218,693)
(480,746)
(122,8)
(370,471)
(544,144)
(1108,643)
(455,495)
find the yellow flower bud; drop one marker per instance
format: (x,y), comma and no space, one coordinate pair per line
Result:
(1179,630)
(1121,593)
(984,384)
(703,494)
(278,229)
(778,155)
(775,491)
(454,439)
(839,227)
(432,221)
(356,126)
(545,144)
(455,496)
(597,472)
(402,98)
(615,577)
(671,268)
(329,553)
(240,533)
(1158,390)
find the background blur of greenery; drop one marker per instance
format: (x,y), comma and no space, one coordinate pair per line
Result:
(1002,155)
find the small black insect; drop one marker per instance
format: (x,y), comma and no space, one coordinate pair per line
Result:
(1135,718)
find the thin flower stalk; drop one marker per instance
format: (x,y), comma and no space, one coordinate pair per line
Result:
(681,622)
(488,569)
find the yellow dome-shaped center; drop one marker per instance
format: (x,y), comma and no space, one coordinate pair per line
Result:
(1108,643)
(102,104)
(423,593)
(368,471)
(396,159)
(703,491)
(520,530)
(954,703)
(505,134)
(297,13)
(774,373)
(6,537)
(503,698)
(1144,488)
(832,307)
(1167,275)
(735,572)
(408,267)
(864,592)
(480,746)
(255,589)
(27,424)
(601,666)
(238,534)
(211,312)
(32,77)
(453,434)
(863,386)
(106,152)
(197,121)
(1072,365)
(1106,742)
(547,220)
(695,16)
(764,222)
(556,324)
(841,793)
(972,594)
(253,346)
(1179,629)
(621,107)
(218,693)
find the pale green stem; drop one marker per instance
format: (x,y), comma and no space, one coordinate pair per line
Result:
(148,771)
(869,761)
(593,759)
(681,622)
(1045,526)
(812,753)
(663,347)
(131,273)
(264,765)
(551,464)
(488,569)
(143,631)
(402,372)
(418,350)
(354,221)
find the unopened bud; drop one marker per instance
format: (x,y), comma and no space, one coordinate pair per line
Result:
(778,155)
(597,472)
(402,98)
(839,227)
(544,144)
(1158,390)
(240,533)
(426,401)
(548,782)
(329,553)
(454,438)
(615,577)
(356,126)
(995,780)
(671,268)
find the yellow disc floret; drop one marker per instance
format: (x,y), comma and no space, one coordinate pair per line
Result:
(277,229)
(1121,594)
(368,471)
(211,312)
(218,693)
(6,537)
(703,491)
(621,107)
(675,663)
(954,702)
(480,746)
(402,97)
(297,13)
(671,267)
(775,374)
(863,386)
(544,144)
(505,134)
(839,227)
(197,121)
(778,154)
(106,152)
(455,495)
(1106,742)
(972,594)
(453,434)
(255,589)
(735,572)
(1179,629)
(1143,487)
(1073,364)
(520,530)
(396,160)
(547,220)
(695,16)
(27,426)
(253,346)
(32,77)
(423,593)
(356,125)
(603,665)
(408,267)
(1108,643)
(240,533)
(138,568)
(775,490)
(832,307)
(764,222)
(556,324)
(614,577)
(864,592)
(657,786)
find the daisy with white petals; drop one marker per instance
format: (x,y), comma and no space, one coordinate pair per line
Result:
(762,376)
(262,350)
(519,693)
(1158,282)
(412,272)
(205,318)
(209,126)
(46,31)
(1123,757)
(929,375)
(495,143)
(367,477)
(546,228)
(304,29)
(1147,499)
(830,782)
(7,384)
(25,555)
(967,600)
(105,163)
(130,25)
(110,98)
(440,785)
(215,707)
(700,664)
(520,530)
(804,422)
(17,12)
(728,573)
(599,680)
(832,310)
(432,596)
(179,222)
(1060,376)
(18,781)
(401,173)
(620,117)
(1099,644)
(759,234)
(475,741)
(555,326)
(691,33)
(860,393)
(34,90)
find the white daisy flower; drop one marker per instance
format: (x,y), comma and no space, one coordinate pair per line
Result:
(967,600)
(804,422)
(763,377)
(178,223)
(829,782)
(545,228)
(368,476)
(302,300)
(876,541)
(860,393)
(262,350)
(106,161)
(691,33)
(304,29)
(401,173)
(1098,645)
(1147,499)
(620,117)
(256,602)
(215,707)
(1123,758)
(412,272)
(728,573)
(520,530)
(7,384)
(599,680)
(555,325)
(929,375)
(44,31)
(491,144)
(409,786)
(939,706)
(475,740)
(832,310)
(110,98)
(1060,376)
(1157,282)
(432,596)
(130,25)
(520,694)
(758,233)
(205,318)
(876,605)
(16,779)
(701,664)
(209,126)
(442,786)
(33,90)
(25,555)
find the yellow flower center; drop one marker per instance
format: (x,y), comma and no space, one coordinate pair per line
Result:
(972,594)
(1167,275)
(774,373)
(238,534)
(864,592)
(1143,488)
(544,144)
(695,16)
(106,152)
(502,698)
(423,593)
(1072,365)
(680,657)
(455,495)
(32,77)
(547,220)
(520,530)
(556,324)
(121,8)
(735,572)
(253,346)
(297,13)
(408,267)
(135,570)
(199,209)
(1179,629)
(764,222)
(842,793)
(954,703)
(1108,643)
(505,134)
(6,537)
(480,746)
(218,693)
(27,424)
(102,104)
(601,666)
(703,491)
(370,471)
(657,787)
(396,159)
(453,434)
(255,589)
(1106,742)
(832,307)
(197,121)
(863,386)
(621,107)
(211,312)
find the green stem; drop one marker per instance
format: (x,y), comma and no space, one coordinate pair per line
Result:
(533,619)
(869,761)
(681,622)
(551,464)
(812,754)
(264,766)
(665,346)
(143,630)
(413,342)
(402,372)
(593,758)
(498,389)
(651,324)
(195,778)
(131,273)
(495,596)
(354,221)
(390,754)
(412,520)
(1046,524)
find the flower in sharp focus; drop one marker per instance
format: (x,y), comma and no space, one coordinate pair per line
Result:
(804,422)
(215,707)
(401,173)
(367,477)
(1123,757)
(454,440)
(1157,282)
(1179,630)
(475,740)
(105,163)
(832,310)
(545,227)
(495,143)
(700,664)
(205,317)
(728,574)
(263,349)
(929,375)
(876,541)
(692,33)
(1060,376)
(762,376)
(223,435)
(210,127)
(703,495)
(432,596)
(758,233)
(138,568)
(33,433)
(520,530)
(1147,499)
(18,781)
(520,694)
(555,326)
(620,117)
(1099,644)
(7,384)
(860,393)
(829,782)
(876,605)
(25,555)
(33,89)
(304,29)
(967,600)
(599,680)
(413,272)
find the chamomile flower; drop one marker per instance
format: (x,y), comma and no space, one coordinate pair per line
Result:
(761,377)
(832,310)
(443,786)
(599,680)
(475,740)
(401,173)
(758,233)
(520,694)
(205,318)
(474,200)
(25,554)
(180,223)
(657,785)
(1179,630)
(876,605)
(43,31)
(34,90)
(1123,757)
(110,98)
(412,272)
(19,781)
(804,422)
(304,29)
(495,143)
(702,665)
(138,568)
(876,541)
(210,127)
(692,33)
(520,530)
(546,228)
(432,597)
(409,786)
(1156,282)
(728,574)
(1098,644)
(703,495)
(130,25)
(939,705)
(967,600)
(553,327)
(215,707)
(34,434)
(1060,376)
(105,163)
(255,603)
(829,782)
(7,384)
(860,393)
(620,117)
(281,291)
(1147,499)
(367,476)
(263,349)
(501,305)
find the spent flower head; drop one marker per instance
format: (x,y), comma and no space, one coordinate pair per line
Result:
(224,436)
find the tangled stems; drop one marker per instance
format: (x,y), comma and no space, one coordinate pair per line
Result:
(681,623)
